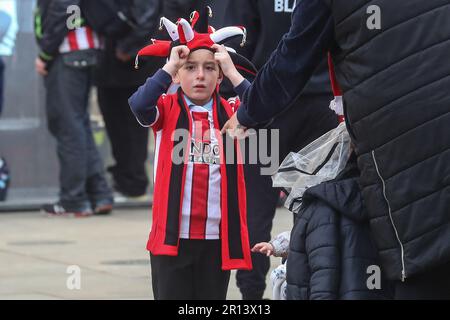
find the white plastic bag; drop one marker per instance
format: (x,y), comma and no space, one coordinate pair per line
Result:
(321,160)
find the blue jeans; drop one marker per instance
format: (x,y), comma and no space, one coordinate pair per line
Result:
(82,178)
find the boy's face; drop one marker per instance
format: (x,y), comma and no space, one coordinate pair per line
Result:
(199,76)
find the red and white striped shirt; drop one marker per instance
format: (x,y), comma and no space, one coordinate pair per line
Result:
(201,214)
(201,211)
(80,39)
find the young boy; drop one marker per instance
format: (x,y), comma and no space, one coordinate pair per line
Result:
(199,228)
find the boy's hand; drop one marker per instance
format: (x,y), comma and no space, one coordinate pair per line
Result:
(223,58)
(178,58)
(263,247)
(226,64)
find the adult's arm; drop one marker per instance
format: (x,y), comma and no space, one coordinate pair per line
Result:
(283,77)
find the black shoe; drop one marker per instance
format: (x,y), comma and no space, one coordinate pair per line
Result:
(57,210)
(103,209)
(129,194)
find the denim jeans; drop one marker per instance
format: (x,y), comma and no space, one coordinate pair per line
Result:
(82,178)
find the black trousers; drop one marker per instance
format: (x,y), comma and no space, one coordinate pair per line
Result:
(262,201)
(128,139)
(195,274)
(82,178)
(433,284)
(298,126)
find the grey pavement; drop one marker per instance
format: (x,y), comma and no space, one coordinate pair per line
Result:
(37,254)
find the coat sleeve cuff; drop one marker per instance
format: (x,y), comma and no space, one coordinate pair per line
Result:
(243,117)
(45,57)
(242,87)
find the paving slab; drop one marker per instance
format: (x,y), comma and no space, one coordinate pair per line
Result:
(39,256)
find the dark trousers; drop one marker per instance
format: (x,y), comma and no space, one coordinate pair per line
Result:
(298,126)
(82,181)
(433,284)
(128,139)
(262,201)
(195,274)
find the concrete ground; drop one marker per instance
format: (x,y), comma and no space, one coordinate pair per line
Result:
(40,257)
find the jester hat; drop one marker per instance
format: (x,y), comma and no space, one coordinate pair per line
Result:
(198,35)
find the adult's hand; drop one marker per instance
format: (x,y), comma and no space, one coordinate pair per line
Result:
(234,128)
(122,56)
(41,67)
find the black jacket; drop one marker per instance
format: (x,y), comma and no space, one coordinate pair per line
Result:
(51,25)
(111,72)
(174,9)
(330,247)
(396,84)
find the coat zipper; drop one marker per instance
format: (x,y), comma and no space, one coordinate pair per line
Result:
(390,216)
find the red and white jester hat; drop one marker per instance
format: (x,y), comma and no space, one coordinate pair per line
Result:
(198,35)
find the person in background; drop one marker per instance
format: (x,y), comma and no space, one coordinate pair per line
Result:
(8,30)
(65,61)
(116,80)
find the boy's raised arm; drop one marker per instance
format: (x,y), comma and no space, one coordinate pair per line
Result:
(229,70)
(143,101)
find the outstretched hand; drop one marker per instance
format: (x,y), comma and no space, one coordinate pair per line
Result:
(264,248)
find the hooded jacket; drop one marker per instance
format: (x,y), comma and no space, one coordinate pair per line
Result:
(330,248)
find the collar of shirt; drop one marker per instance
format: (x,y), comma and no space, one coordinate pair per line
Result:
(207,106)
